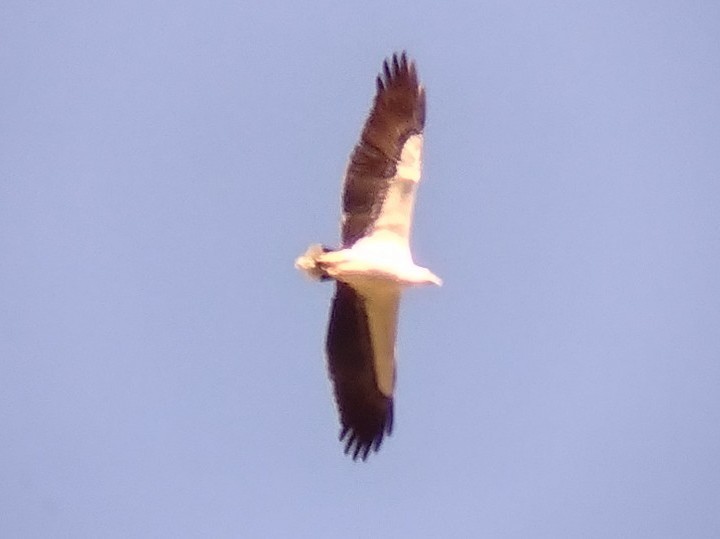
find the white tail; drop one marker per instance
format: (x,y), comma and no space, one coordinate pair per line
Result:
(308,263)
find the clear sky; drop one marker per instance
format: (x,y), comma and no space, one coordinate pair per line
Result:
(161,361)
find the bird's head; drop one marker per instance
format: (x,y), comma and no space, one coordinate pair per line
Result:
(425,276)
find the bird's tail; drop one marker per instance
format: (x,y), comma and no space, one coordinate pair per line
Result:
(310,265)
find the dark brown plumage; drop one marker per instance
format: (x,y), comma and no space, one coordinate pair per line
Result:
(365,413)
(398,112)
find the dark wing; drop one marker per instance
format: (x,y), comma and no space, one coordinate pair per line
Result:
(366,413)
(398,112)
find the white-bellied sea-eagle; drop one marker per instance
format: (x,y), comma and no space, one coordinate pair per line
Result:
(374,263)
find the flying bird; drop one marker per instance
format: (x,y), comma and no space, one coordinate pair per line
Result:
(374,263)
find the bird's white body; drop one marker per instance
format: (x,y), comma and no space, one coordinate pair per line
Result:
(373,264)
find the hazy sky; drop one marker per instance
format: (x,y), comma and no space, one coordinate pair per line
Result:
(161,361)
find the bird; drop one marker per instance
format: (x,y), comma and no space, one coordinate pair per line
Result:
(374,263)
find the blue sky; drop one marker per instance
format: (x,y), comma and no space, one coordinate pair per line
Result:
(161,362)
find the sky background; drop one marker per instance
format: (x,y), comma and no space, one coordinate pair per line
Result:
(161,361)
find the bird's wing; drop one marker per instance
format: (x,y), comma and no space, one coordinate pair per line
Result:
(384,168)
(361,359)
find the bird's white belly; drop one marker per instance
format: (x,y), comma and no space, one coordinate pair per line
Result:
(371,267)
